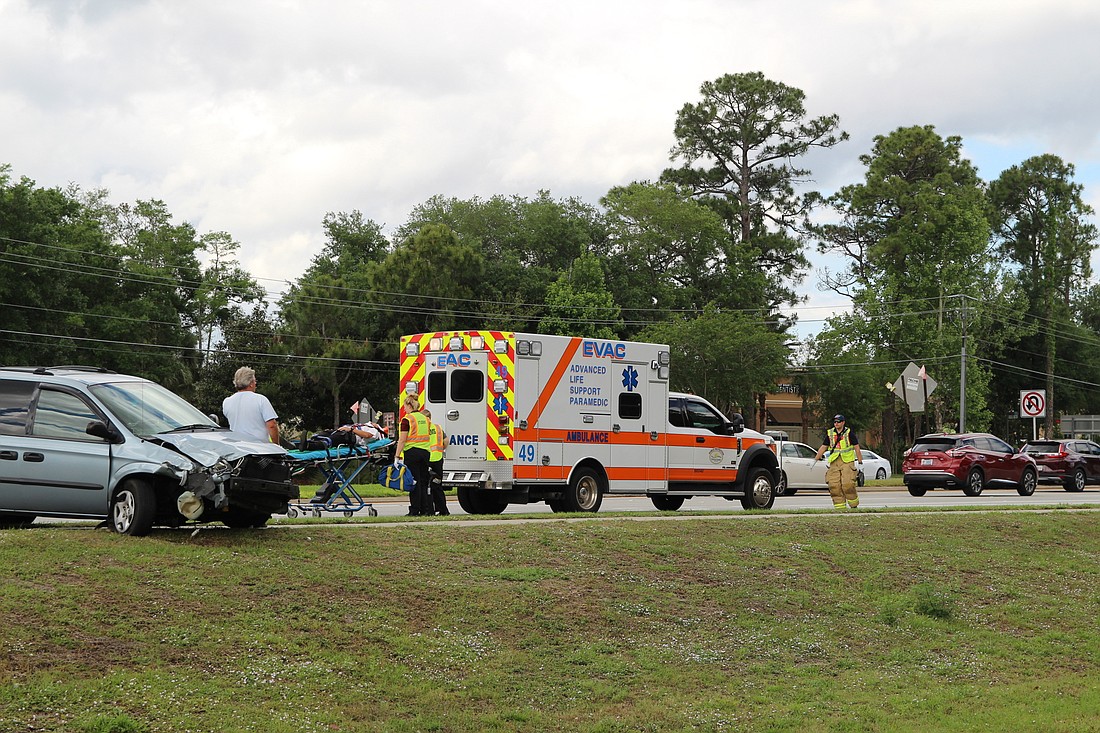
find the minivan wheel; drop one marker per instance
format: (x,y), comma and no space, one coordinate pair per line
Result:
(1027,483)
(975,482)
(133,508)
(1077,481)
(15,520)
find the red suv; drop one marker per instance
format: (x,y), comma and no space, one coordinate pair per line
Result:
(1072,463)
(971,461)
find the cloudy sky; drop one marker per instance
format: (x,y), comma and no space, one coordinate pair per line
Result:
(258,117)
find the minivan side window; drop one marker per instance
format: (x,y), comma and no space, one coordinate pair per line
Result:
(15,406)
(62,415)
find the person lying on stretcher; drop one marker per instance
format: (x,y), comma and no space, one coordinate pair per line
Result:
(364,432)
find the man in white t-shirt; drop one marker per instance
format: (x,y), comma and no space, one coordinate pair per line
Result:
(248,411)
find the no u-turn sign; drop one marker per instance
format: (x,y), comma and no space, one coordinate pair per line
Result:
(1033,403)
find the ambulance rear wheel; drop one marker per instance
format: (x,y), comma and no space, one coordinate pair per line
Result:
(667,503)
(479,501)
(585,492)
(759,492)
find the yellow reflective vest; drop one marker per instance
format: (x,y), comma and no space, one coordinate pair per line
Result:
(436,445)
(418,431)
(840,446)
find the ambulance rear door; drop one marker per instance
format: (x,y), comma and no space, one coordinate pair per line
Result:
(456,393)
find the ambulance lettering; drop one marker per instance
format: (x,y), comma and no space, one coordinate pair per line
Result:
(603,349)
(586,436)
(455,360)
(464,440)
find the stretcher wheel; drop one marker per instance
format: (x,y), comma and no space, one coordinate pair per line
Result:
(292,512)
(316,512)
(348,512)
(371,510)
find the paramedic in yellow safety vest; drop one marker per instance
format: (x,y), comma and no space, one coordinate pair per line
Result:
(412,447)
(436,449)
(841,449)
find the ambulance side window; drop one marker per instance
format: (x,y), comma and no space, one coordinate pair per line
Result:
(467,385)
(437,387)
(702,416)
(630,406)
(676,413)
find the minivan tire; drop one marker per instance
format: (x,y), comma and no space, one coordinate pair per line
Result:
(133,508)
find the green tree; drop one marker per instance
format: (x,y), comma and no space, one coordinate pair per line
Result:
(667,252)
(1042,225)
(223,289)
(332,320)
(843,376)
(578,303)
(523,246)
(915,237)
(727,358)
(739,145)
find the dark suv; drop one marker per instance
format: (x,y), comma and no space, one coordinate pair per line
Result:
(971,461)
(1072,463)
(88,443)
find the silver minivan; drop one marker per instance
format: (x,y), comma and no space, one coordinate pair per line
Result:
(88,443)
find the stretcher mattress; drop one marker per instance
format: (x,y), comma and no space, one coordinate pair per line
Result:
(340,451)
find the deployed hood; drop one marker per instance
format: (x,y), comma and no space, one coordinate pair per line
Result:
(209,446)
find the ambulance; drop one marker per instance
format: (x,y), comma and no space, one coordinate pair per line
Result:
(568,420)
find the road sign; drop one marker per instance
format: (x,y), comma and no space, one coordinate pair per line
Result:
(1033,403)
(913,387)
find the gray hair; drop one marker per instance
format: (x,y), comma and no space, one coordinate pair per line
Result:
(244,377)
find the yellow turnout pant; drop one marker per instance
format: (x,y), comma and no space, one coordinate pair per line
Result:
(841,477)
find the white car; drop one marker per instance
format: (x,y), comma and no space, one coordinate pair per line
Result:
(874,466)
(799,470)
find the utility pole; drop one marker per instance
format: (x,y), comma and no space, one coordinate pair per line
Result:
(962,371)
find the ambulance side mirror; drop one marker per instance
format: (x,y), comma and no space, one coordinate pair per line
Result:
(736,424)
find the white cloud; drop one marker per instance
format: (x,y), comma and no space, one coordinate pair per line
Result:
(257,118)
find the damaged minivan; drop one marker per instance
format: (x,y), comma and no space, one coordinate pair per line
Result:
(84,442)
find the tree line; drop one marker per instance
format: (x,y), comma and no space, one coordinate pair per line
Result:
(707,257)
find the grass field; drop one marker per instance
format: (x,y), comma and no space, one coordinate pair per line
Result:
(917,621)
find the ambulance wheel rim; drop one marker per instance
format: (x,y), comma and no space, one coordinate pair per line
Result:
(585,492)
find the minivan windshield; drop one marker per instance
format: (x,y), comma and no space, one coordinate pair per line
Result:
(146,408)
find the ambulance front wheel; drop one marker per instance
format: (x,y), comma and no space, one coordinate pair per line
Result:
(759,491)
(480,501)
(585,492)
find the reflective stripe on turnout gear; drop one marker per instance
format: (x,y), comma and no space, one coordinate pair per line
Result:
(840,448)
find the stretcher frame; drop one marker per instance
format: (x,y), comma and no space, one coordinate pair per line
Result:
(340,465)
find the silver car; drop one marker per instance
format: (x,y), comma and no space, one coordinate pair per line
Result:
(88,443)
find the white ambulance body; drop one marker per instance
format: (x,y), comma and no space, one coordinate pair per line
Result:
(566,420)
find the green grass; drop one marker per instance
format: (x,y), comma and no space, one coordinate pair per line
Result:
(916,621)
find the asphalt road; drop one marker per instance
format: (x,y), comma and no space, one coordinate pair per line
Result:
(869,499)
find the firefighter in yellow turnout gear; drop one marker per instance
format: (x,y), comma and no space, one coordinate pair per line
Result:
(437,448)
(842,451)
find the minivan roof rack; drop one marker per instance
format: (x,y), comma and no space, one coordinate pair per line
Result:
(82,368)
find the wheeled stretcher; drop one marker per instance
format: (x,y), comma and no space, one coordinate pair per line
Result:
(340,465)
